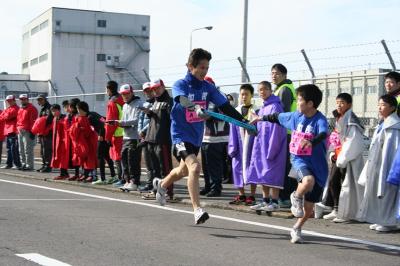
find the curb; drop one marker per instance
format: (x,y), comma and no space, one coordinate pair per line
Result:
(285,214)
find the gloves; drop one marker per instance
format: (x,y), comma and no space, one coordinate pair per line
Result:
(200,113)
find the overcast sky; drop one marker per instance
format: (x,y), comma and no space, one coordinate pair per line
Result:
(277,31)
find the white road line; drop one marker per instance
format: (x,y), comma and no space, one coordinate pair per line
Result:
(51,200)
(42,260)
(277,227)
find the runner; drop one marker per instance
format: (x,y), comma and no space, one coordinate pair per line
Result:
(187,127)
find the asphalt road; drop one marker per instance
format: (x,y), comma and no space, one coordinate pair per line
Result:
(79,226)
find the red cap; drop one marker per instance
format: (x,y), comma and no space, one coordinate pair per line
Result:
(157,83)
(125,89)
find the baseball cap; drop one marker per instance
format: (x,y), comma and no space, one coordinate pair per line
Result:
(125,89)
(23,96)
(146,85)
(41,96)
(10,97)
(157,83)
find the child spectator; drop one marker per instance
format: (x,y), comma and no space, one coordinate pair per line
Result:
(378,206)
(268,159)
(240,147)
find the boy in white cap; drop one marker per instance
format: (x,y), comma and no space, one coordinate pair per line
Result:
(27,115)
(131,153)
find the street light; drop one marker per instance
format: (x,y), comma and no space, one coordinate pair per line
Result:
(203,28)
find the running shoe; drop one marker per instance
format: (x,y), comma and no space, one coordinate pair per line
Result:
(297,206)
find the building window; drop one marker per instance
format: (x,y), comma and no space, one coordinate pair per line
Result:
(34,61)
(101,23)
(58,23)
(144,28)
(101,57)
(371,89)
(25,35)
(25,65)
(43,58)
(116,59)
(332,92)
(34,30)
(357,90)
(44,25)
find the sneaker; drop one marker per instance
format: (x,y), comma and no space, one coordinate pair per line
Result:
(82,178)
(324,207)
(119,183)
(295,235)
(383,228)
(200,216)
(99,182)
(146,188)
(73,178)
(297,206)
(130,186)
(238,199)
(271,207)
(330,216)
(259,207)
(204,191)
(41,168)
(112,180)
(46,170)
(319,209)
(339,220)
(250,201)
(160,194)
(213,193)
(373,226)
(6,167)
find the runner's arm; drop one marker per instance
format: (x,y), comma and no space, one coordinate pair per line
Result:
(273,118)
(229,110)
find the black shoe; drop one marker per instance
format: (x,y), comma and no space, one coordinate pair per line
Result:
(146,188)
(46,170)
(213,193)
(6,167)
(41,168)
(204,191)
(27,168)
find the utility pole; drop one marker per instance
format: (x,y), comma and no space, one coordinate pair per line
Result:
(244,54)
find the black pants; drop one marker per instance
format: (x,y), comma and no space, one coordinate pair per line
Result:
(161,158)
(290,184)
(149,163)
(131,158)
(336,178)
(13,150)
(103,155)
(46,149)
(212,160)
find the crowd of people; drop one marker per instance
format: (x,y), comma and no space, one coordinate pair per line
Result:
(295,158)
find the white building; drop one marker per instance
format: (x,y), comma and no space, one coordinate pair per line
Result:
(19,83)
(80,50)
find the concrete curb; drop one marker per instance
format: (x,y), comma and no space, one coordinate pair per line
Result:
(224,206)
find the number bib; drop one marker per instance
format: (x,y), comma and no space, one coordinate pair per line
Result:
(191,116)
(295,143)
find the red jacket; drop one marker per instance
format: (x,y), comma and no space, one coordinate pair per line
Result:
(84,142)
(60,154)
(2,124)
(112,114)
(9,117)
(26,117)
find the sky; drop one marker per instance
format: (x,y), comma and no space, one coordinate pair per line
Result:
(338,36)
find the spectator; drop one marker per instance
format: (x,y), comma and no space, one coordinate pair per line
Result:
(9,117)
(2,135)
(392,85)
(70,119)
(378,206)
(45,140)
(268,160)
(285,91)
(114,133)
(240,148)
(27,114)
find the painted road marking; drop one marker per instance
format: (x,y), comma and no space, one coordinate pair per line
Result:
(277,227)
(42,260)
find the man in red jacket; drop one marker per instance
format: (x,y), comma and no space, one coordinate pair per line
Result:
(114,133)
(2,136)
(27,114)
(9,117)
